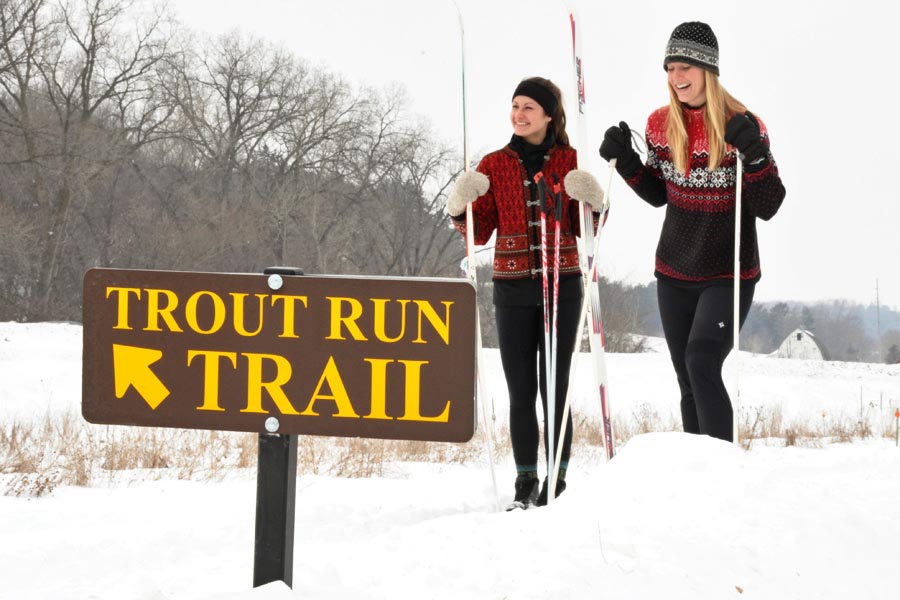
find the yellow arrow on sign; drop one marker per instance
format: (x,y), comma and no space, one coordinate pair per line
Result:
(132,368)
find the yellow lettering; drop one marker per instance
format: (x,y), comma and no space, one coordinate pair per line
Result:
(379,320)
(122,322)
(239,314)
(211,375)
(288,331)
(154,311)
(441,327)
(190,312)
(379,388)
(338,393)
(255,384)
(413,397)
(349,321)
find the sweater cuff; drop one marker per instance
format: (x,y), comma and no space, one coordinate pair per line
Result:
(629,165)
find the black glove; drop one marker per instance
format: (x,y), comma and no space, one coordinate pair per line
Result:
(617,145)
(742,132)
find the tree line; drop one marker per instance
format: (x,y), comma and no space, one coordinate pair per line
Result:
(848,331)
(127,142)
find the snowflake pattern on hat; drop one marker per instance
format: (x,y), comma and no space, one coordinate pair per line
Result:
(694,43)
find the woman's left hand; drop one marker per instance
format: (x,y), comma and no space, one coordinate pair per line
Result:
(582,186)
(742,132)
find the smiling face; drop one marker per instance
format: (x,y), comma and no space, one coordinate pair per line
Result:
(528,119)
(689,83)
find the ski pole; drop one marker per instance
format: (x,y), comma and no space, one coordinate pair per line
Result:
(482,394)
(601,377)
(553,465)
(549,413)
(736,404)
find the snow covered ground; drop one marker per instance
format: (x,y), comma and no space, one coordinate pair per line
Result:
(673,516)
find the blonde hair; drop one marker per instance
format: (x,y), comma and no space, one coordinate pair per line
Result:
(720,106)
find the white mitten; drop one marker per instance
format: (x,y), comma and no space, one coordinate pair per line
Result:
(581,185)
(468,187)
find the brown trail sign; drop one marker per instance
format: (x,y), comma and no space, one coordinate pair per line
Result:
(324,355)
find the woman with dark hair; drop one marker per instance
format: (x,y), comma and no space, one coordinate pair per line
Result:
(506,199)
(692,147)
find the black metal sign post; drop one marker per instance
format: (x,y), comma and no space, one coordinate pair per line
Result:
(276,493)
(276,487)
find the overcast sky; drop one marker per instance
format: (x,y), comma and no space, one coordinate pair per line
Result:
(823,80)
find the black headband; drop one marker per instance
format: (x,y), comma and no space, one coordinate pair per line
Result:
(539,94)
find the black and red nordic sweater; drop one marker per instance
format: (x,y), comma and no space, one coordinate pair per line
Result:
(512,210)
(697,239)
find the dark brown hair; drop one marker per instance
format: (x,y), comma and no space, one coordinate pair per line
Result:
(558,118)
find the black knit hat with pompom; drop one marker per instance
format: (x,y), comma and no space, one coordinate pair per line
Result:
(694,43)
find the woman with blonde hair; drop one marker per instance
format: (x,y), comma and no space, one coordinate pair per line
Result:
(692,147)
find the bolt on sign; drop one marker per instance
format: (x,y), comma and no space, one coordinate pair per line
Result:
(389,358)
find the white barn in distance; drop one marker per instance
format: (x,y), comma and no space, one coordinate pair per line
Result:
(801,344)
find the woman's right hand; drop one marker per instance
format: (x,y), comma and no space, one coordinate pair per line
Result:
(468,187)
(617,145)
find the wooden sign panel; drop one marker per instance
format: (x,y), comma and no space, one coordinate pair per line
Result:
(390,358)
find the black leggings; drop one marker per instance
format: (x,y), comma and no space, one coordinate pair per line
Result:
(520,330)
(699,332)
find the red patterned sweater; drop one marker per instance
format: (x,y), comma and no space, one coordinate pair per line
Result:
(508,209)
(697,238)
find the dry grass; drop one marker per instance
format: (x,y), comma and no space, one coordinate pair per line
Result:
(38,456)
(769,424)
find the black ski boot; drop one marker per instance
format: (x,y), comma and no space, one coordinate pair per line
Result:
(527,485)
(560,488)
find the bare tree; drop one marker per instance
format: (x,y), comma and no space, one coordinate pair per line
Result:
(412,235)
(839,328)
(354,186)
(119,147)
(309,162)
(66,70)
(890,343)
(233,96)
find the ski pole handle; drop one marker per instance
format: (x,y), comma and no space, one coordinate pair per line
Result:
(541,191)
(612,169)
(557,197)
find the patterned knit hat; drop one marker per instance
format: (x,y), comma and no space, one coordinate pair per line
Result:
(694,43)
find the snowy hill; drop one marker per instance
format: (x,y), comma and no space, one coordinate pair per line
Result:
(672,516)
